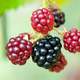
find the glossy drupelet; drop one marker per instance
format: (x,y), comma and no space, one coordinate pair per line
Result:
(42,20)
(59,17)
(19,50)
(72,40)
(46,51)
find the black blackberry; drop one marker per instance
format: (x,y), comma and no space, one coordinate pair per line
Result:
(46,51)
(59,17)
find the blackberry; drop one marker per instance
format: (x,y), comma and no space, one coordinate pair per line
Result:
(59,17)
(18,50)
(46,51)
(72,40)
(42,21)
(59,66)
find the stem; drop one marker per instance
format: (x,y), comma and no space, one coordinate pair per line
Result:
(64,28)
(35,36)
(59,32)
(50,3)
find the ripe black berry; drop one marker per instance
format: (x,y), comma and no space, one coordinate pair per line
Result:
(59,17)
(46,51)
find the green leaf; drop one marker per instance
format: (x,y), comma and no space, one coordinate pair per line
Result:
(8,4)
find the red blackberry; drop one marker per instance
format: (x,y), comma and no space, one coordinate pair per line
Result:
(19,50)
(46,51)
(59,66)
(59,17)
(72,41)
(42,20)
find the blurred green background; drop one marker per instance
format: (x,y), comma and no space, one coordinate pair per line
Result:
(17,21)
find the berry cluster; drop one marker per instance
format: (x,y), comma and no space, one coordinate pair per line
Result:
(46,51)
(72,41)
(59,17)
(18,50)
(42,20)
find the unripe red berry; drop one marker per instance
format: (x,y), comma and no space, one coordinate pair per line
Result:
(42,20)
(72,40)
(59,66)
(19,50)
